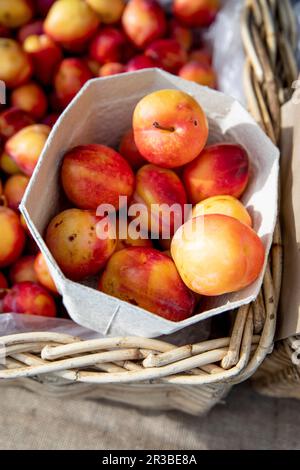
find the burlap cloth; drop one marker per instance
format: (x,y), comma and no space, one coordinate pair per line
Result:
(248,421)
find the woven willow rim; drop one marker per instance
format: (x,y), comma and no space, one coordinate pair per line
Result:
(269,37)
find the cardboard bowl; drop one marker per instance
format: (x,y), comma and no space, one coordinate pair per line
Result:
(101,113)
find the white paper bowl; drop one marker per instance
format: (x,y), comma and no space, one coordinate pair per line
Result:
(101,113)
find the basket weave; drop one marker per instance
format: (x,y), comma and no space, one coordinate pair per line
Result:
(193,377)
(278,376)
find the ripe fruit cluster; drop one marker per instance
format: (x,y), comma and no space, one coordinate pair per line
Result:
(60,44)
(45,60)
(24,267)
(163,161)
(48,50)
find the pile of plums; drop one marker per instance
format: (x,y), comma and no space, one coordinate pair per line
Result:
(48,50)
(163,161)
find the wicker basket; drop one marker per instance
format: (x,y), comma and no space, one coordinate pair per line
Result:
(153,373)
(278,376)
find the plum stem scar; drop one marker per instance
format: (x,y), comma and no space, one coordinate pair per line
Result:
(158,126)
